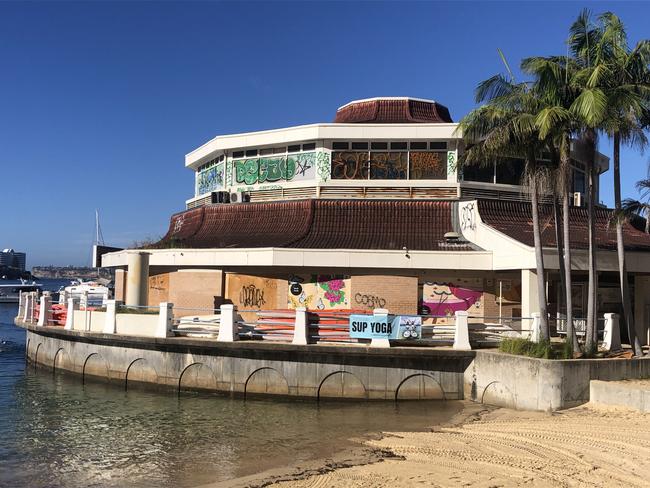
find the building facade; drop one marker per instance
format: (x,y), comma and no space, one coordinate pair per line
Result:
(13,259)
(371,211)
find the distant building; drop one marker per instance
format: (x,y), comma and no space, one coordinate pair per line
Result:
(13,259)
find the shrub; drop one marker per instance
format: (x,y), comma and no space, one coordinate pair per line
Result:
(542,349)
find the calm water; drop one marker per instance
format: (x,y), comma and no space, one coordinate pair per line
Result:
(56,432)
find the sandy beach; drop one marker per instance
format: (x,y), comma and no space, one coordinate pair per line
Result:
(585,446)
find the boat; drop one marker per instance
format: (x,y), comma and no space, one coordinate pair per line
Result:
(97,291)
(10,293)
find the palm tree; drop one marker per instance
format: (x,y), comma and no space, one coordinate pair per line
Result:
(626,81)
(505,126)
(632,209)
(555,87)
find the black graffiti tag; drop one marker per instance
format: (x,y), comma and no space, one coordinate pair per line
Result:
(371,301)
(251,296)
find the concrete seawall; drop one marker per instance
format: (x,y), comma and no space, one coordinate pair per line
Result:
(254,367)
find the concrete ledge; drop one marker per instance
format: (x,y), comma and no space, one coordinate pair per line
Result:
(628,394)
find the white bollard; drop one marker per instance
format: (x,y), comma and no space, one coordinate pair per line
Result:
(29,307)
(20,305)
(45,313)
(301,328)
(165,320)
(461,334)
(382,315)
(228,328)
(612,333)
(69,317)
(110,323)
(536,327)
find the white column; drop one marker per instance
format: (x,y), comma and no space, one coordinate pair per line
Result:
(529,295)
(535,327)
(21,305)
(110,324)
(381,314)
(228,327)
(612,335)
(165,320)
(83,304)
(45,313)
(301,328)
(137,279)
(461,334)
(63,297)
(29,307)
(69,318)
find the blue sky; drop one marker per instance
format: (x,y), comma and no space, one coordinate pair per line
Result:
(100,101)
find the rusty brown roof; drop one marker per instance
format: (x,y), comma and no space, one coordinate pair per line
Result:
(392,111)
(515,220)
(314,224)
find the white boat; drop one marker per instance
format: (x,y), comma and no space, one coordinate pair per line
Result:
(10,293)
(97,292)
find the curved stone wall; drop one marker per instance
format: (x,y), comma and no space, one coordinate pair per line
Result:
(246,368)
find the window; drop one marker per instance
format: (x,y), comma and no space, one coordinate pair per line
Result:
(294,148)
(419,146)
(238,154)
(251,153)
(340,146)
(434,145)
(510,170)
(428,165)
(482,173)
(399,146)
(350,165)
(279,150)
(379,146)
(266,151)
(388,165)
(309,147)
(579,182)
(360,145)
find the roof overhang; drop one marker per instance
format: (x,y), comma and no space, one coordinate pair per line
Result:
(315,132)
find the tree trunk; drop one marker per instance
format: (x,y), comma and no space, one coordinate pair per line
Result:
(565,162)
(628,314)
(559,240)
(539,255)
(591,329)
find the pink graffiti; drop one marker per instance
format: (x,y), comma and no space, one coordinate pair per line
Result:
(461,299)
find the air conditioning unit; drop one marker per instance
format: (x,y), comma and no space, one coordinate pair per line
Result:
(220,197)
(239,197)
(577,199)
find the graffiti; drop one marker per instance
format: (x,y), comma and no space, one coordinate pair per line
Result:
(228,174)
(443,298)
(388,166)
(370,301)
(285,168)
(178,224)
(305,165)
(451,161)
(323,166)
(251,296)
(467,217)
(210,179)
(427,166)
(319,292)
(349,165)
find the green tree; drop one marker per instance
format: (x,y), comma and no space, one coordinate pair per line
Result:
(632,209)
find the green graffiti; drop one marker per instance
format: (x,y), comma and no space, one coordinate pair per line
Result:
(252,171)
(246,171)
(451,162)
(228,174)
(323,166)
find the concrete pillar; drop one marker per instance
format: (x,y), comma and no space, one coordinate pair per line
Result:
(137,279)
(301,328)
(110,324)
(380,314)
(165,320)
(461,334)
(21,305)
(612,334)
(642,308)
(228,327)
(45,313)
(63,297)
(535,327)
(120,285)
(529,296)
(69,318)
(29,307)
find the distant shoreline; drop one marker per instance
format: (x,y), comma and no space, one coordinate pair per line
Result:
(69,272)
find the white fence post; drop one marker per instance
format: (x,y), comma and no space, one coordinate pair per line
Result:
(301,328)
(612,333)
(45,314)
(381,314)
(461,334)
(228,328)
(110,323)
(165,320)
(69,315)
(29,306)
(536,327)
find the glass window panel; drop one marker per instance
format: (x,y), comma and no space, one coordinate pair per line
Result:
(388,165)
(359,145)
(265,152)
(340,146)
(438,145)
(419,145)
(294,148)
(279,150)
(579,182)
(380,146)
(350,165)
(399,146)
(475,172)
(428,165)
(251,152)
(238,154)
(309,147)
(510,171)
